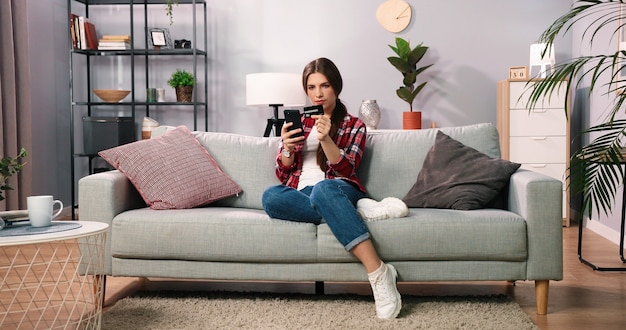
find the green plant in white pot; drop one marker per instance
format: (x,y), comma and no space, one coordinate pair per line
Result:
(594,172)
(406,62)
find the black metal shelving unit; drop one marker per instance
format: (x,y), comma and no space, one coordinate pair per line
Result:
(88,106)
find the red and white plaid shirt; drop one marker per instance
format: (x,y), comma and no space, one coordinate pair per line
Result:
(350,139)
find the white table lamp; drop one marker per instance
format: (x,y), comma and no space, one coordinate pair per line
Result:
(275,90)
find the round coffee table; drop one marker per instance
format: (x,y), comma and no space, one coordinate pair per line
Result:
(53,280)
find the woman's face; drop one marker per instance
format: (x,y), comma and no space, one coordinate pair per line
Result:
(320,92)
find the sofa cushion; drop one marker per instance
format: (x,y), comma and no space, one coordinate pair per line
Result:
(440,234)
(224,234)
(458,177)
(392,159)
(172,171)
(254,173)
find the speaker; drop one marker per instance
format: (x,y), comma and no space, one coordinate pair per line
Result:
(100,133)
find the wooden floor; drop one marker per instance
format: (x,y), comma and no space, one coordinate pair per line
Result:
(585,299)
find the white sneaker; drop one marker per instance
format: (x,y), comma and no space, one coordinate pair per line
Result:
(388,208)
(386,296)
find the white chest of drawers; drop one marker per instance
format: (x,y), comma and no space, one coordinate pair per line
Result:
(537,139)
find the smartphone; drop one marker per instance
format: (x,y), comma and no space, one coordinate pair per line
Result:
(293,116)
(313,110)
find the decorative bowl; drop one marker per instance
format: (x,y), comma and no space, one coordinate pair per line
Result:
(111,95)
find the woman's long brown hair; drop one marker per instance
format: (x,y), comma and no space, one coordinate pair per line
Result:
(329,70)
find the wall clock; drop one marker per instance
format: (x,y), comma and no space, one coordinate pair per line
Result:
(394,15)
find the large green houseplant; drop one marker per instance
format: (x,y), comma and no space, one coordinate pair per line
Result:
(594,172)
(8,167)
(406,62)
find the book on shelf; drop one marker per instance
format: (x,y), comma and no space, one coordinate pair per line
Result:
(125,38)
(82,32)
(109,42)
(83,36)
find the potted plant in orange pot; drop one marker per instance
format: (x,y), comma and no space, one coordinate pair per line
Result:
(406,63)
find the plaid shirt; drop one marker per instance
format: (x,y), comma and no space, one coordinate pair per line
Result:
(350,139)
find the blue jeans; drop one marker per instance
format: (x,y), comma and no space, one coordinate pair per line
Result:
(333,200)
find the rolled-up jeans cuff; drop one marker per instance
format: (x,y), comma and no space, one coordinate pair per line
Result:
(357,241)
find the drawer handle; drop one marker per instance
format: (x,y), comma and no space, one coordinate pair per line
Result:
(539,110)
(538,137)
(538,165)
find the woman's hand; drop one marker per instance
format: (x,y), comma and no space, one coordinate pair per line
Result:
(322,123)
(289,142)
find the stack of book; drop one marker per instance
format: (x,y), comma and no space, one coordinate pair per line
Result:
(83,33)
(109,42)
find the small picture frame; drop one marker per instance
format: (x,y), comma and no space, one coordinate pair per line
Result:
(518,73)
(159,38)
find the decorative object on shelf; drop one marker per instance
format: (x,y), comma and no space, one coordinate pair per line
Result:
(182,43)
(8,167)
(275,90)
(159,38)
(406,63)
(151,95)
(147,126)
(169,7)
(369,113)
(182,81)
(518,73)
(111,95)
(541,63)
(595,170)
(160,94)
(394,15)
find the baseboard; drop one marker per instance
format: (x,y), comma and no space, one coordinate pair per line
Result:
(597,227)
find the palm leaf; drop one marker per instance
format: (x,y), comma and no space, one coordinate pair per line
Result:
(595,171)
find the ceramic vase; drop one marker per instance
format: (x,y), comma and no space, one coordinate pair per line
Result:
(369,113)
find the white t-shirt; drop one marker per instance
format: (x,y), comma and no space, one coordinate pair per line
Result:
(311,172)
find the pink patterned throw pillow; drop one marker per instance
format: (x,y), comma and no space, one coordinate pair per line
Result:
(172,171)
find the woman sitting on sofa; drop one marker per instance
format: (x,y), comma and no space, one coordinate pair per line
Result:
(318,175)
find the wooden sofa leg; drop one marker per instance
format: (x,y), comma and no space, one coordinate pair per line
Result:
(541,296)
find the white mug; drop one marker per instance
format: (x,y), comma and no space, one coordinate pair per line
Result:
(40,210)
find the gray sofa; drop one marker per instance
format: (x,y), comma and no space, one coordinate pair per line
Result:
(233,239)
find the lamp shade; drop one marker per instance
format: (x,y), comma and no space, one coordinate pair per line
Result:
(275,88)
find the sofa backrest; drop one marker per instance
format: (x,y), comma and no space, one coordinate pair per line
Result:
(391,161)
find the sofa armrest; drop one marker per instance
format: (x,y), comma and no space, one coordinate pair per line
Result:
(538,198)
(103,196)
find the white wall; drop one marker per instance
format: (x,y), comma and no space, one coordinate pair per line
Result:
(472,44)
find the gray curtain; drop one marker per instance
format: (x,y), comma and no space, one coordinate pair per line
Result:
(15,105)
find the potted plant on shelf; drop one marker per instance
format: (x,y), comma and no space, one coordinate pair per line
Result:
(406,63)
(8,167)
(182,81)
(595,170)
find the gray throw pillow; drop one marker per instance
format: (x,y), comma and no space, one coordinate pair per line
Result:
(455,176)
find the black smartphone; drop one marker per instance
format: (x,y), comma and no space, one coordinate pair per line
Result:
(293,116)
(313,110)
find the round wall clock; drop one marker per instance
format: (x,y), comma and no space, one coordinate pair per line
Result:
(394,15)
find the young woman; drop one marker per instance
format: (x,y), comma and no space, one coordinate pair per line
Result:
(318,175)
